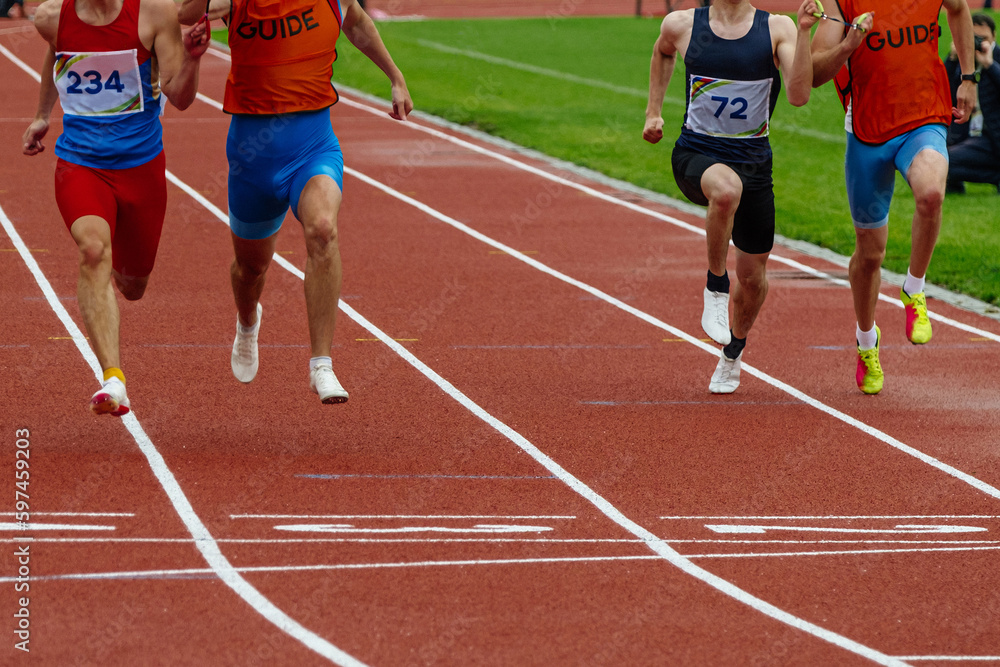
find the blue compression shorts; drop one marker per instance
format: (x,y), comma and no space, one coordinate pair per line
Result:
(871,170)
(271,158)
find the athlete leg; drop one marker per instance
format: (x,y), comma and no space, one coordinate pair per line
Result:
(248,274)
(871,177)
(927,176)
(749,291)
(723,188)
(94,292)
(317,210)
(865,273)
(141,193)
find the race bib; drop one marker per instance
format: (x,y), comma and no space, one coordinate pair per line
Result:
(99,84)
(732,109)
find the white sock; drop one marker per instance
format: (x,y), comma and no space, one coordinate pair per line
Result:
(866,339)
(248,330)
(316,361)
(913,285)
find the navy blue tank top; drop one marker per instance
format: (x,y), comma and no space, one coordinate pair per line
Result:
(732,88)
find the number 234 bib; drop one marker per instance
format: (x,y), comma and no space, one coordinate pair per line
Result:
(98,84)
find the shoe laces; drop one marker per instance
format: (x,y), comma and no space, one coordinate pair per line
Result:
(245,344)
(871,360)
(920,307)
(720,309)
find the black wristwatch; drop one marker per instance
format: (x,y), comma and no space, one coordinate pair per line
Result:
(974,77)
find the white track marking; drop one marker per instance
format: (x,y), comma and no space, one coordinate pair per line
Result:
(956,658)
(209,101)
(843,552)
(711,349)
(517,164)
(348,528)
(49,526)
(474,540)
(465,563)
(566,477)
(543,71)
(604,85)
(395,516)
(741,529)
(21,64)
(849,517)
(89,514)
(204,541)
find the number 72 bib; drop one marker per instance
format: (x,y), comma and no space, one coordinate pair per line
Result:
(732,109)
(98,84)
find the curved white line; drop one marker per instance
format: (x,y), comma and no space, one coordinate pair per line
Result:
(582,489)
(204,541)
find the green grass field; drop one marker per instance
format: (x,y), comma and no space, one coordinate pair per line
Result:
(576,88)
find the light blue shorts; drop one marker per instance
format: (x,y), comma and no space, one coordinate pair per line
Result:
(871,170)
(271,158)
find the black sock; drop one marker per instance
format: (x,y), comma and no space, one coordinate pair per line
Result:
(718,283)
(735,346)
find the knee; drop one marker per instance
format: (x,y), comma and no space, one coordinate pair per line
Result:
(868,259)
(93,252)
(245,270)
(929,200)
(752,278)
(131,288)
(321,237)
(727,196)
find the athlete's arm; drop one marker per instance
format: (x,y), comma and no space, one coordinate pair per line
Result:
(960,22)
(833,44)
(360,29)
(177,54)
(47,25)
(675,33)
(792,51)
(191,11)
(47,96)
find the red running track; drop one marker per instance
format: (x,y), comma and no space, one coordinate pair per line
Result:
(530,469)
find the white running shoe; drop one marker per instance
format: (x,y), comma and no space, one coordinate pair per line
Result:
(323,382)
(715,317)
(245,360)
(110,399)
(726,377)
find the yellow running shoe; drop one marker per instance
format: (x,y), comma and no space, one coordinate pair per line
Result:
(918,325)
(869,374)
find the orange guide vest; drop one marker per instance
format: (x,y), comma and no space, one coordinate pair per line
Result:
(895,81)
(283,54)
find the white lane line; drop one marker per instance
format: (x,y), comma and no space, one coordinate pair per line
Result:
(470,562)
(475,540)
(920,529)
(604,85)
(20,63)
(517,164)
(27,527)
(646,317)
(336,566)
(348,528)
(849,517)
(575,484)
(396,516)
(204,541)
(203,538)
(90,514)
(955,658)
